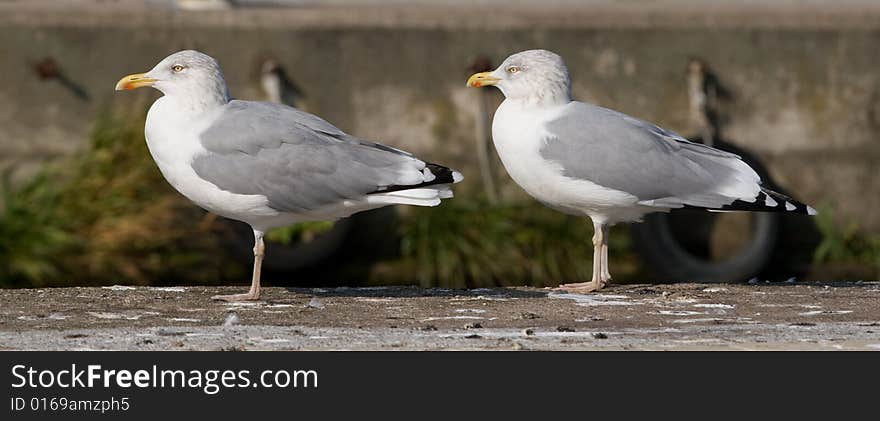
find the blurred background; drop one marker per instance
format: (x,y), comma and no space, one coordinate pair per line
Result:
(793,86)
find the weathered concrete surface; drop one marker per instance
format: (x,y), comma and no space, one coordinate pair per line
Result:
(639,317)
(806,93)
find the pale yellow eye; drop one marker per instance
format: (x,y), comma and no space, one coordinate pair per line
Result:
(177,68)
(512,69)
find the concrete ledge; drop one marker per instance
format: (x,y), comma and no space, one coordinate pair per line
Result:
(647,317)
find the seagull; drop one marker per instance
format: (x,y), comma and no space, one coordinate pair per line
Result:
(269,165)
(585,160)
(278,86)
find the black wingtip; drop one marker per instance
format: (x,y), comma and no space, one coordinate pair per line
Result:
(442,175)
(769,201)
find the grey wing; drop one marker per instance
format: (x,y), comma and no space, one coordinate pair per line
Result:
(657,166)
(253,120)
(298,161)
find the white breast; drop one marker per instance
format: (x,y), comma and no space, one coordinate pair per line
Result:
(519,133)
(173,142)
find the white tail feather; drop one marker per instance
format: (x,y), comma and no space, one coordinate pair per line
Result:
(427,196)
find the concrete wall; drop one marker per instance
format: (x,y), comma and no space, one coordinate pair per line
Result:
(806,96)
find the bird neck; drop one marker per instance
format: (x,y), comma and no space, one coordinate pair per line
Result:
(541,100)
(548,96)
(193,105)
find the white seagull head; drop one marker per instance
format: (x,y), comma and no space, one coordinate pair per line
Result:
(538,76)
(188,75)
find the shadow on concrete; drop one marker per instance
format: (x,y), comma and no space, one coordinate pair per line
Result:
(413,291)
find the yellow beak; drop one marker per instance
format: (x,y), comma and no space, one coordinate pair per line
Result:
(482,79)
(134,81)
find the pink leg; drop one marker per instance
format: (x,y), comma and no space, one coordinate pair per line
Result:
(254,292)
(600,263)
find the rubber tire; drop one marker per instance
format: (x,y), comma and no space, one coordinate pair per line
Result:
(662,252)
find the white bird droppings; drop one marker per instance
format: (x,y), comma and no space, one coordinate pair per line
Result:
(113,316)
(817,312)
(678,313)
(713,305)
(453,318)
(120,288)
(232,319)
(703,320)
(169,289)
(593,300)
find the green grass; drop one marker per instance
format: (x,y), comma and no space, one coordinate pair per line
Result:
(106,215)
(469,243)
(303,232)
(845,243)
(31,241)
